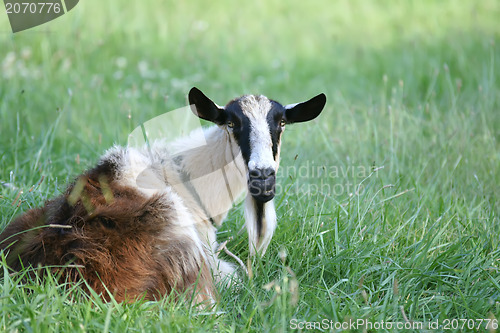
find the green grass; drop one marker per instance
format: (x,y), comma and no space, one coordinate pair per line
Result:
(412,86)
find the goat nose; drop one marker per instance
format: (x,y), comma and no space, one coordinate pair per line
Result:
(261,183)
(255,173)
(268,172)
(261,173)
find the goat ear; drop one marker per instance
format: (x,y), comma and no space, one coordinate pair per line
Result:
(203,107)
(305,111)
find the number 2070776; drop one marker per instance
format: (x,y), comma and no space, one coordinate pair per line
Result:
(470,324)
(33,7)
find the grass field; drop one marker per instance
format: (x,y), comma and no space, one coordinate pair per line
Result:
(391,199)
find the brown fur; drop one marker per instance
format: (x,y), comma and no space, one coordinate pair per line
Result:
(115,238)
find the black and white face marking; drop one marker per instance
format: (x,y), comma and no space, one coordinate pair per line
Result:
(257,123)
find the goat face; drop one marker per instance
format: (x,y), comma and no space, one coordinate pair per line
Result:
(256,123)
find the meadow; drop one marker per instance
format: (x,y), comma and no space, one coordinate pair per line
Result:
(388,208)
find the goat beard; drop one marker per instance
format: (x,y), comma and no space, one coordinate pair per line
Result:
(260,220)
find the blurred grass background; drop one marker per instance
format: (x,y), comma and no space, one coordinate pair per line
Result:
(412,87)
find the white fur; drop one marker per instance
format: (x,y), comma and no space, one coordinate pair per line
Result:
(268,225)
(256,109)
(261,156)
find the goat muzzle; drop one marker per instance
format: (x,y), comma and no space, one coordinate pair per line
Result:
(261,184)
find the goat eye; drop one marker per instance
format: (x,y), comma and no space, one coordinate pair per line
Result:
(230,124)
(282,123)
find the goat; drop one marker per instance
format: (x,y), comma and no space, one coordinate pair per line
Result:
(143,221)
